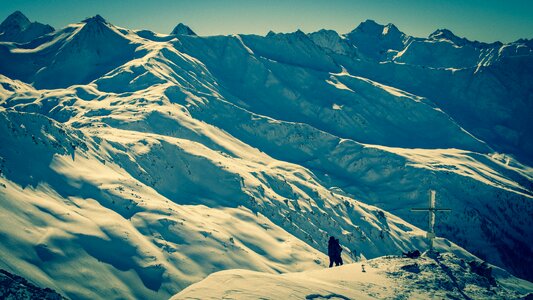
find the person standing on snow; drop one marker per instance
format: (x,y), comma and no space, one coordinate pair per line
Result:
(338,258)
(334,252)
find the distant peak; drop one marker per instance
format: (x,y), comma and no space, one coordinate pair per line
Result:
(325,32)
(18,15)
(18,28)
(97,28)
(182,29)
(369,22)
(300,33)
(443,34)
(446,34)
(16,18)
(95,19)
(296,35)
(369,26)
(390,29)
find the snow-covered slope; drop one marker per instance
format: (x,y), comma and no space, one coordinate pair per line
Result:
(442,277)
(151,160)
(166,212)
(76,54)
(484,87)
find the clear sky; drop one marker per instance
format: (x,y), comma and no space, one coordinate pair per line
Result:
(483,20)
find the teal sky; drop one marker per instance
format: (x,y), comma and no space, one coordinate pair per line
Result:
(483,20)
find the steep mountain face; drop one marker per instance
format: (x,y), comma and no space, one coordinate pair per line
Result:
(156,160)
(18,28)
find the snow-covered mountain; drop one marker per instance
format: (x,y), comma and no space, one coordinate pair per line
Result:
(18,28)
(141,162)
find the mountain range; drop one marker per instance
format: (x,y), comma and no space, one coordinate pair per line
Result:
(140,163)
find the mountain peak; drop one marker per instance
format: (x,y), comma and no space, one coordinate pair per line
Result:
(95,27)
(369,26)
(375,41)
(17,14)
(443,34)
(373,28)
(369,22)
(18,28)
(95,19)
(296,35)
(390,28)
(16,19)
(446,34)
(182,29)
(300,34)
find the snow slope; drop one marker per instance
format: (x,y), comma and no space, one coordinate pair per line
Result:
(144,229)
(444,277)
(156,160)
(76,54)
(483,87)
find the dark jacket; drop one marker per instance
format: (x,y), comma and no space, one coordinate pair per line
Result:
(334,248)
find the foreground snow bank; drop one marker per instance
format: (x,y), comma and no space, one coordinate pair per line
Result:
(442,277)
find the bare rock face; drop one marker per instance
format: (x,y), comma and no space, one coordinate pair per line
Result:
(16,287)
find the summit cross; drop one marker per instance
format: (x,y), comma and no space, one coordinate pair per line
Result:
(431,218)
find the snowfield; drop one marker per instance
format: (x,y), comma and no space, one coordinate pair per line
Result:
(443,277)
(140,163)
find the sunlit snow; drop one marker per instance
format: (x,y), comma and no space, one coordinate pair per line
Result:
(137,165)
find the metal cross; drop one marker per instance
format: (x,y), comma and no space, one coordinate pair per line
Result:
(431,209)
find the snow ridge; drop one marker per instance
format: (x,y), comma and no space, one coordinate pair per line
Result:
(443,277)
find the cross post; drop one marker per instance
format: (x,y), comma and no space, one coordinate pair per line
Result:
(431,218)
